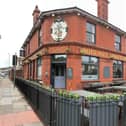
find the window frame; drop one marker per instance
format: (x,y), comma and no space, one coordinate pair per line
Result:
(117,65)
(39,77)
(117,42)
(30,70)
(90,77)
(91,33)
(39,37)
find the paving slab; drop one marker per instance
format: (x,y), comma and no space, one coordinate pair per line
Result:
(5,109)
(14,109)
(33,124)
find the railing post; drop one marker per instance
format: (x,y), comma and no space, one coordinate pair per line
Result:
(124,112)
(52,108)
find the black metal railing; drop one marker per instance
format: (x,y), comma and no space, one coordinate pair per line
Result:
(58,109)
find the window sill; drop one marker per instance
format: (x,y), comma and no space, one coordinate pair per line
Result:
(89,81)
(90,43)
(92,85)
(39,81)
(117,79)
(117,50)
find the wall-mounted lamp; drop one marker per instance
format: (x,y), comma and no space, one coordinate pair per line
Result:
(78,14)
(53,15)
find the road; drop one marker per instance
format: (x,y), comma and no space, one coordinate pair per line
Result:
(14,109)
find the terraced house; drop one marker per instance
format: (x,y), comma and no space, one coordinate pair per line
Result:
(68,48)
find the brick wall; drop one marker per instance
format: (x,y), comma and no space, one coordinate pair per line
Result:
(34,42)
(46,62)
(105,38)
(74,62)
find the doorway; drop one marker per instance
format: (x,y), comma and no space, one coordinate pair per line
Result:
(58,71)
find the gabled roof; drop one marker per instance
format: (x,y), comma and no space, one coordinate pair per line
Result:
(69,11)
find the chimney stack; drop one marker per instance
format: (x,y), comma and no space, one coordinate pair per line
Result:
(102,9)
(35,14)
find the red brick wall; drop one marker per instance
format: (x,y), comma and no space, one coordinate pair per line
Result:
(26,73)
(74,62)
(77,32)
(124,71)
(25,69)
(104,38)
(28,49)
(123,44)
(46,62)
(105,63)
(25,49)
(76,29)
(34,42)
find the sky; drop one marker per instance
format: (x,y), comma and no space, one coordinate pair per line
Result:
(16,20)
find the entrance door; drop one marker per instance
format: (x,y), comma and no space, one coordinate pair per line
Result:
(59,75)
(58,71)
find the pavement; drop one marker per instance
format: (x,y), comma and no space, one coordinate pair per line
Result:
(14,109)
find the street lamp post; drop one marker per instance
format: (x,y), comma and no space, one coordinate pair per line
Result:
(9,60)
(14,66)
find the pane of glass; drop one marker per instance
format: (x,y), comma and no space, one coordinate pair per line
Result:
(94,60)
(90,37)
(117,46)
(83,69)
(85,59)
(117,69)
(39,60)
(90,28)
(119,62)
(62,70)
(93,29)
(40,33)
(59,58)
(89,68)
(56,71)
(117,38)
(59,70)
(39,66)
(93,38)
(119,73)
(39,72)
(30,70)
(114,62)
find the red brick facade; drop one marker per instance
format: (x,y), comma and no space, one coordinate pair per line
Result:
(74,46)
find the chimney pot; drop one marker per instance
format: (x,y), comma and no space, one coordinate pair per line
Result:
(35,14)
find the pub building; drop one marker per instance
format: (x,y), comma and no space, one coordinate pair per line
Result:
(70,48)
